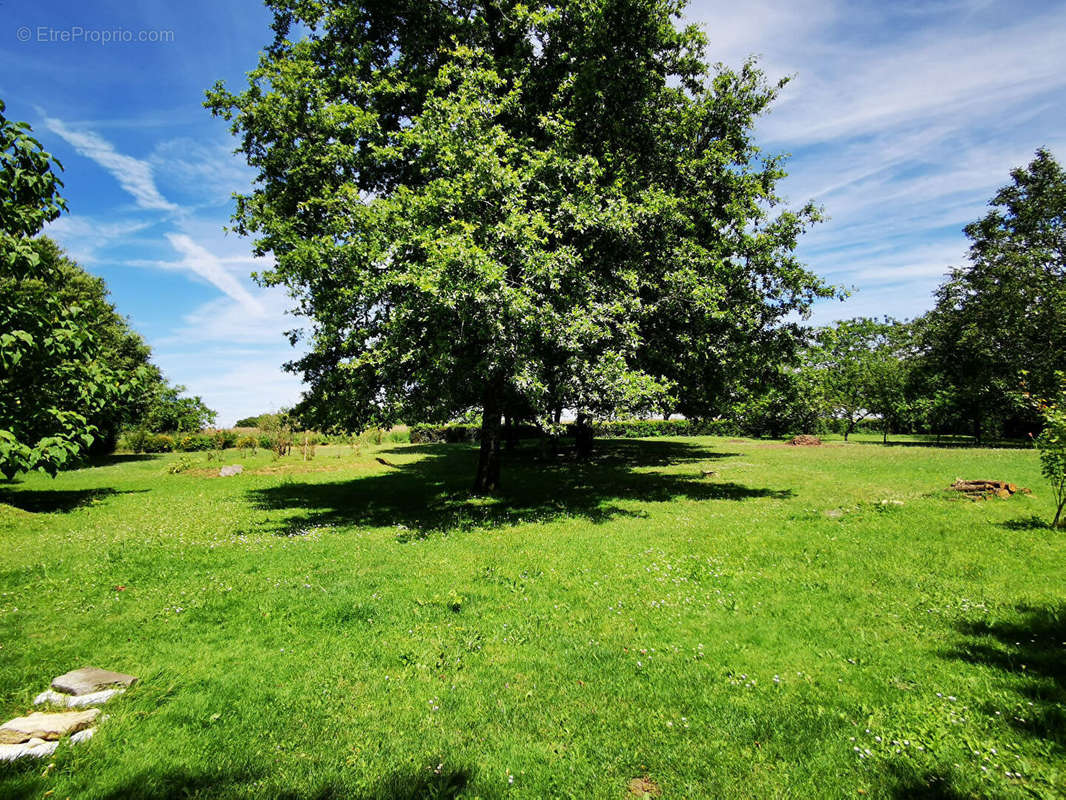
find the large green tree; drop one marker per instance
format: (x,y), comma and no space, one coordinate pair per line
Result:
(503,205)
(169,410)
(999,325)
(120,348)
(54,376)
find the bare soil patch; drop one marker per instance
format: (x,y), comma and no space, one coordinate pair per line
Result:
(644,787)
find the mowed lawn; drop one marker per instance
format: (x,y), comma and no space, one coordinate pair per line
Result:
(804,623)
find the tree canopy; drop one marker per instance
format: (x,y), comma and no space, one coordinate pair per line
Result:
(54,375)
(515,206)
(999,325)
(119,347)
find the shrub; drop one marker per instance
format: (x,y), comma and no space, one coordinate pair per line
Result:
(1052,446)
(452,433)
(183,464)
(621,429)
(248,443)
(223,439)
(141,441)
(134,440)
(160,443)
(195,442)
(276,433)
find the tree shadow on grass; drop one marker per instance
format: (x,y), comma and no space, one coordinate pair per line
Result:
(184,784)
(1033,523)
(1031,651)
(110,459)
(951,443)
(432,495)
(443,783)
(50,501)
(924,787)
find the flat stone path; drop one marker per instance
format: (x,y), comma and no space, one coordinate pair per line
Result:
(38,734)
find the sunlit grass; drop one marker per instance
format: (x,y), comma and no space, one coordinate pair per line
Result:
(804,622)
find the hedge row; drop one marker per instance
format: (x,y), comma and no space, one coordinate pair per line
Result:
(617,429)
(641,428)
(145,442)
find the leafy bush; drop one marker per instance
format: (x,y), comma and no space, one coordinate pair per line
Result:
(141,441)
(248,443)
(195,442)
(277,433)
(1052,446)
(223,439)
(452,434)
(134,440)
(640,428)
(183,464)
(621,429)
(160,443)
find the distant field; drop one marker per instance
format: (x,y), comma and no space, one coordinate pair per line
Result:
(803,623)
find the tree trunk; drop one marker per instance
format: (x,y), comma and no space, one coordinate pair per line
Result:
(976,429)
(510,432)
(583,437)
(847,430)
(487,479)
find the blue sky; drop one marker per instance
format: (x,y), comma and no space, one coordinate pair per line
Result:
(901,118)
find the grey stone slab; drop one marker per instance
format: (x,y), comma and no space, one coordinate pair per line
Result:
(48,726)
(88,680)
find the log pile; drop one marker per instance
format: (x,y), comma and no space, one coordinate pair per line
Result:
(980,490)
(805,440)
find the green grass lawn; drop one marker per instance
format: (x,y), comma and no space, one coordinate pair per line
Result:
(342,628)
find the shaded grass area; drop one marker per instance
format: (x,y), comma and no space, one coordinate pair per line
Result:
(430,495)
(726,618)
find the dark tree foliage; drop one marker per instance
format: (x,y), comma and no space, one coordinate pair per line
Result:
(999,325)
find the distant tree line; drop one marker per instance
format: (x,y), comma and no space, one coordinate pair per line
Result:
(995,339)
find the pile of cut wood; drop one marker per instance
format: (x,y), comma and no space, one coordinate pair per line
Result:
(804,440)
(979,490)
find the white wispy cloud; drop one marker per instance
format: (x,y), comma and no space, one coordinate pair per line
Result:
(132,174)
(84,237)
(903,119)
(207,170)
(220,321)
(199,261)
(137,178)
